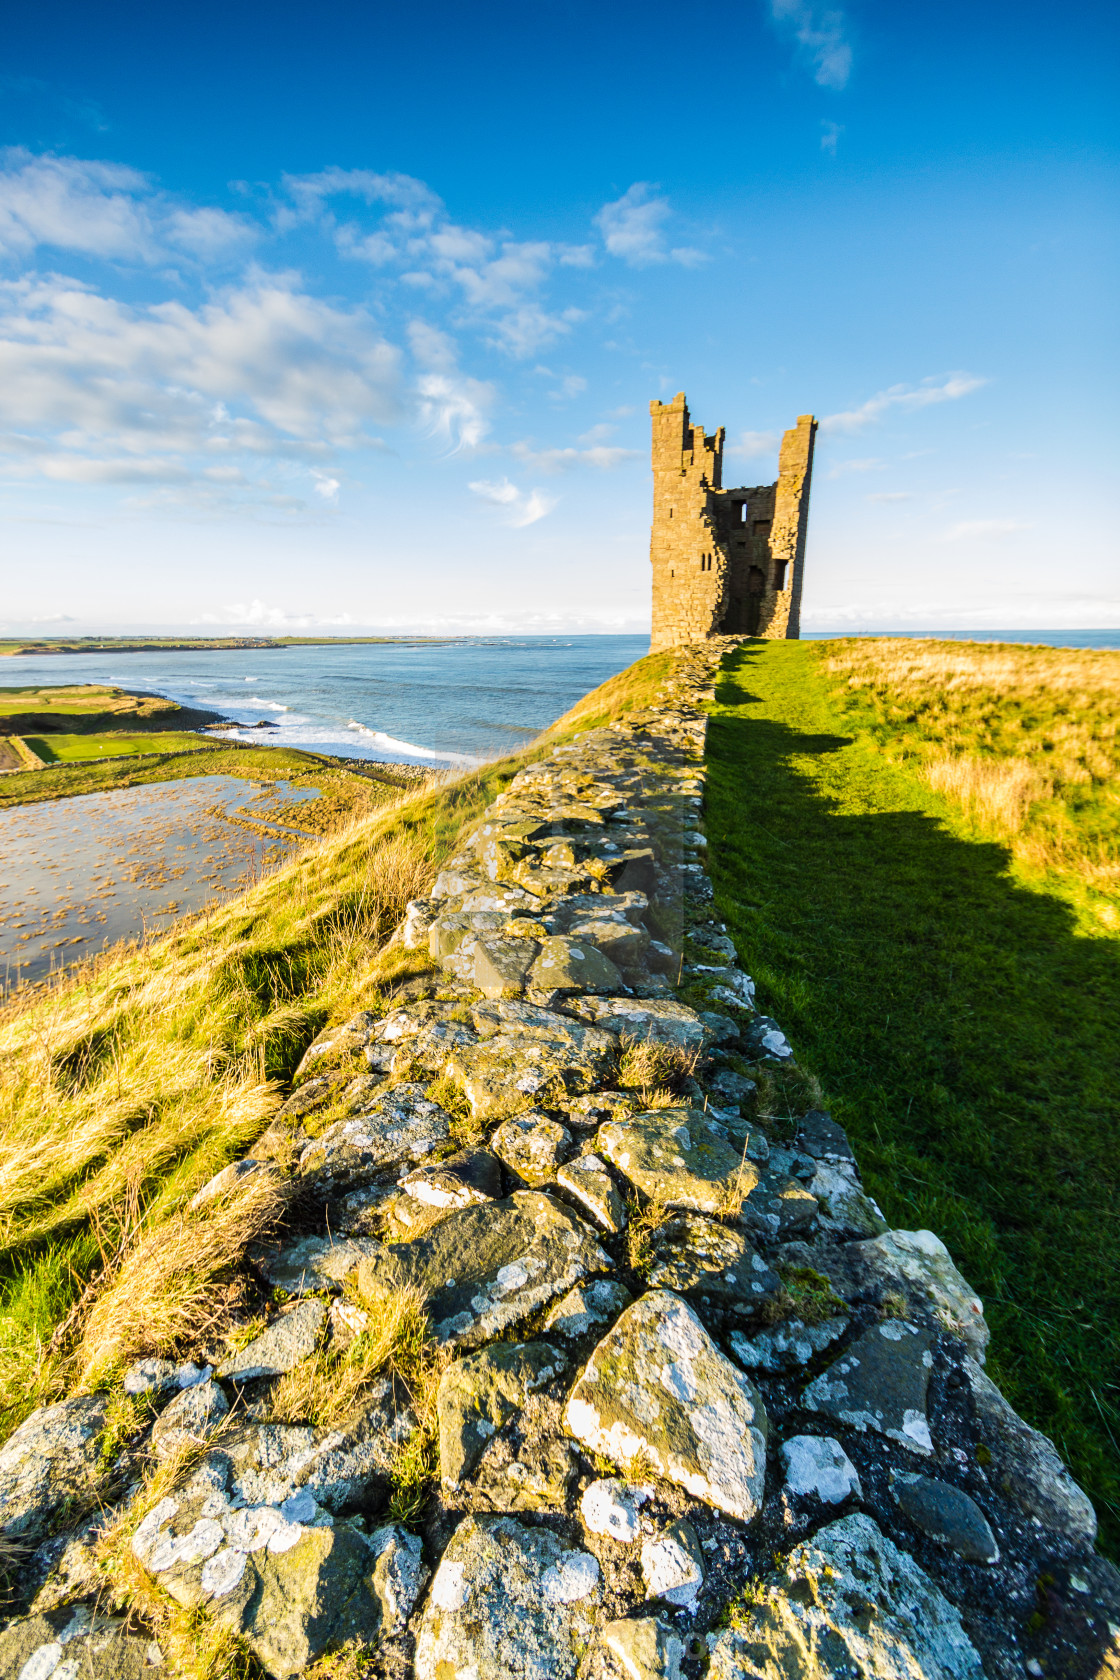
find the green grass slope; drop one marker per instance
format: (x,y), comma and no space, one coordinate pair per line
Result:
(127,1084)
(959,1016)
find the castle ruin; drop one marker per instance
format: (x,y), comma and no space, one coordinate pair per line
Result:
(725,562)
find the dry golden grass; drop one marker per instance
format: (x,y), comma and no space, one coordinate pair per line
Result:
(1023,739)
(171,1287)
(652,1069)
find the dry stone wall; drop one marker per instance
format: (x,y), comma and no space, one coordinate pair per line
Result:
(701,1411)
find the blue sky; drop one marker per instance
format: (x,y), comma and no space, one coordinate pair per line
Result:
(349,316)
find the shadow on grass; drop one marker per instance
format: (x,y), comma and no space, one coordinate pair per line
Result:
(965,1035)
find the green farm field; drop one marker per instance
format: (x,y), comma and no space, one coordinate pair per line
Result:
(916,847)
(69,749)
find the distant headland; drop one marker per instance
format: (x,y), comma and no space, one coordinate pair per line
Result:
(187,644)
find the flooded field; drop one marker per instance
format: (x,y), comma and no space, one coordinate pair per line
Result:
(79,874)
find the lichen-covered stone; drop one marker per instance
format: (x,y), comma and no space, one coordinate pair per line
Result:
(290,1583)
(586,1179)
(502,1073)
(843,1207)
(191,1418)
(292,1337)
(645,1648)
(161,1377)
(472,1175)
(587,1307)
(532,1145)
(314,1264)
(399,1125)
(673,1565)
(507,1603)
(818,1466)
(500,967)
(880,1383)
(75,1641)
(486,1268)
(665,1021)
(712,1266)
(657,1384)
(948,1515)
(914,1264)
(51,1458)
(1025,1465)
(786,1346)
(481,1393)
(779,1207)
(611,1507)
(571,965)
(848,1603)
(677,1156)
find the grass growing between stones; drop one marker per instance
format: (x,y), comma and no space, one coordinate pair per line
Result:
(957,1005)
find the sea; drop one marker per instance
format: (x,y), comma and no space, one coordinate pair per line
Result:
(449,703)
(453,703)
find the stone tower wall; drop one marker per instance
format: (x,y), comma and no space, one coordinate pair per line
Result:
(725,562)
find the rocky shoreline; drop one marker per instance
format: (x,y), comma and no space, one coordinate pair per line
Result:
(699,1410)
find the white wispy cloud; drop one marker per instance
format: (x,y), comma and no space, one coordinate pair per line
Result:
(633,229)
(105,210)
(821,36)
(93,390)
(937,389)
(595,453)
(890,496)
(523,507)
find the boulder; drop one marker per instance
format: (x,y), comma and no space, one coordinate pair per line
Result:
(880,1383)
(291,1338)
(507,1603)
(677,1156)
(481,1393)
(848,1602)
(533,1146)
(947,1515)
(401,1124)
(314,1264)
(713,1267)
(53,1457)
(1025,1465)
(658,1385)
(486,1268)
(191,1418)
(778,1208)
(817,1466)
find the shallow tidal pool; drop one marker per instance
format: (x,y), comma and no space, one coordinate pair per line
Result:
(79,874)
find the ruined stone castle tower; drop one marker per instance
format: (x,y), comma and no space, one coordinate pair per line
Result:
(725,562)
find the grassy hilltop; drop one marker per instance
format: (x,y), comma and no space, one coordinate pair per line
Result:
(940,948)
(916,847)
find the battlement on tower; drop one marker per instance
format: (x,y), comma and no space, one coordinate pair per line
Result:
(725,562)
